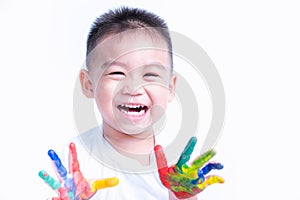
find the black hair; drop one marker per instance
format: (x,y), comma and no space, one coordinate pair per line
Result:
(125,18)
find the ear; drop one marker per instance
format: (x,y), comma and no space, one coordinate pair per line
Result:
(172,85)
(86,84)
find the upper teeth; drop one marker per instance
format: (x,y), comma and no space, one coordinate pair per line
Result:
(132,106)
(134,110)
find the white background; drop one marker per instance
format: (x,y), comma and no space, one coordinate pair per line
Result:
(255,46)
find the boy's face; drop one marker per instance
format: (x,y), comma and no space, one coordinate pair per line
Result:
(131,80)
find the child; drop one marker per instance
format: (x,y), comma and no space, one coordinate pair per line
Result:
(130,75)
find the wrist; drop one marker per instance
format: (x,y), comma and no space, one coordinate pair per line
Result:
(173,197)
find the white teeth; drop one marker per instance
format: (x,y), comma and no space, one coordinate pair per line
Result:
(128,109)
(131,106)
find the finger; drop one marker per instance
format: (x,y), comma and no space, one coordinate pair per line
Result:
(54,184)
(79,182)
(202,159)
(205,170)
(104,183)
(162,164)
(73,161)
(161,160)
(60,170)
(209,181)
(185,155)
(67,190)
(210,166)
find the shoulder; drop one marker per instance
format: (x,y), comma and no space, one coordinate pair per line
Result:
(89,137)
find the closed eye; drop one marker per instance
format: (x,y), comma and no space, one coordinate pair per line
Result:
(151,75)
(116,73)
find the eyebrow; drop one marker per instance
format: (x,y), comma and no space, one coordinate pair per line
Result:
(109,63)
(157,65)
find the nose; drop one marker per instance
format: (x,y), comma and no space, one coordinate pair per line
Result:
(132,86)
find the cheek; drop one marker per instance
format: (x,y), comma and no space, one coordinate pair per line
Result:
(159,99)
(159,96)
(104,95)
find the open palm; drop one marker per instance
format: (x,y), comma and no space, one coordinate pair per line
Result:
(72,185)
(187,180)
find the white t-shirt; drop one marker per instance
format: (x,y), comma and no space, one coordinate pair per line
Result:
(98,160)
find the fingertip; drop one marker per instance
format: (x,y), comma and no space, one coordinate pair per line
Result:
(110,182)
(220,166)
(191,143)
(218,179)
(104,183)
(157,148)
(222,180)
(212,151)
(215,179)
(72,148)
(72,145)
(217,165)
(43,174)
(52,154)
(194,139)
(160,156)
(189,148)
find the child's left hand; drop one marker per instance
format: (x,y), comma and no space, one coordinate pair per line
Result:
(183,180)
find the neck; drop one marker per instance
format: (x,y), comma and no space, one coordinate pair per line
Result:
(138,146)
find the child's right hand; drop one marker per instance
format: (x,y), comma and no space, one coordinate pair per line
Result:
(72,185)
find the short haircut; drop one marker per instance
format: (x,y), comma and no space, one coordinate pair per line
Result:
(123,19)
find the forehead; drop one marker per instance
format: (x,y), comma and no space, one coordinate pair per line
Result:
(132,47)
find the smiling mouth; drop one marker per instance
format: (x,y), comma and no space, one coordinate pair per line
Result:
(133,109)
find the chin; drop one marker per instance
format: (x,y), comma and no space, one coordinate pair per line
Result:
(137,131)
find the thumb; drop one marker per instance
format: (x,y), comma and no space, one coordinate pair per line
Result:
(162,164)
